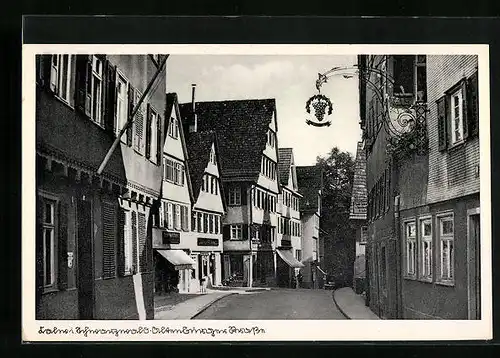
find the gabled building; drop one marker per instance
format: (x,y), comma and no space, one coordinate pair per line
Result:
(423,206)
(289,240)
(357,215)
(247,142)
(93,243)
(310,185)
(208,207)
(173,241)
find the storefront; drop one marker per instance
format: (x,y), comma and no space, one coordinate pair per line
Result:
(173,271)
(288,268)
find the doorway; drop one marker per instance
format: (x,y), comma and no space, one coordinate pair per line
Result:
(474,264)
(85,260)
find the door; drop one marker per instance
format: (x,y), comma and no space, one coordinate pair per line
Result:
(474,264)
(85,260)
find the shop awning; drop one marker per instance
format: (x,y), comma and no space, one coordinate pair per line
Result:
(287,256)
(178,258)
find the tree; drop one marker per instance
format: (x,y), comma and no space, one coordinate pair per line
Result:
(338,233)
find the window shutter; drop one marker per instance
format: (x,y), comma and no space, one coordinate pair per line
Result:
(465,112)
(54,69)
(148,131)
(88,84)
(226,234)
(442,123)
(82,64)
(243,192)
(63,246)
(131,104)
(245,231)
(473,105)
(39,250)
(183,208)
(139,130)
(121,243)
(134,242)
(143,247)
(159,147)
(108,245)
(104,95)
(110,94)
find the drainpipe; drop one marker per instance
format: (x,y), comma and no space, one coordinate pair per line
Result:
(397,232)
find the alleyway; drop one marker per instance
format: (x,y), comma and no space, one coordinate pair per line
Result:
(275,304)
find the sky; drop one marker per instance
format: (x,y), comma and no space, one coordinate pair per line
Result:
(290,79)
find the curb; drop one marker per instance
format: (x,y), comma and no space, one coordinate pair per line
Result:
(338,306)
(204,308)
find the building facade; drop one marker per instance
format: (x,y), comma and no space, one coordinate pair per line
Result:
(440,224)
(310,185)
(423,205)
(173,240)
(208,207)
(246,136)
(94,231)
(289,240)
(357,215)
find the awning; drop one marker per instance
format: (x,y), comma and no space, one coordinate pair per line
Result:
(287,256)
(178,258)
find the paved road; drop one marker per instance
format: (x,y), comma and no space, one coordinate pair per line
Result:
(275,304)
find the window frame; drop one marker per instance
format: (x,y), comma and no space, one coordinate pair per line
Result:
(128,246)
(235,196)
(406,223)
(452,119)
(119,124)
(422,239)
(96,103)
(173,127)
(45,198)
(66,97)
(236,228)
(153,123)
(439,238)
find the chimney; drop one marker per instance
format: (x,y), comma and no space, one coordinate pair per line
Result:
(193,125)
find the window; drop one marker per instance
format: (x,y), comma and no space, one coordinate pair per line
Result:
(235,196)
(121,102)
(173,129)
(96,89)
(216,224)
(236,232)
(205,223)
(184,218)
(174,172)
(256,234)
(152,141)
(200,222)
(446,232)
(194,221)
(212,156)
(177,219)
(128,245)
(49,243)
(212,185)
(421,78)
(271,138)
(60,76)
(170,216)
(298,255)
(426,249)
(404,75)
(456,115)
(210,223)
(410,237)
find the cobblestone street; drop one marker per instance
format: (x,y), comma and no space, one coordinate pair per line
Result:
(275,304)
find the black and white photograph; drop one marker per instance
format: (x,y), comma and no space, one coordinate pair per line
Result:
(235,189)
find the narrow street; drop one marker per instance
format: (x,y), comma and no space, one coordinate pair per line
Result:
(275,304)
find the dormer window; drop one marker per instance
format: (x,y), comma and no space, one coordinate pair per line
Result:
(212,157)
(271,138)
(173,129)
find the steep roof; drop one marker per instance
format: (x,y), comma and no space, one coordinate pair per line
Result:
(173,106)
(284,162)
(241,127)
(359,198)
(199,145)
(309,181)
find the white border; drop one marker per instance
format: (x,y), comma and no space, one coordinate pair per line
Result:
(290,330)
